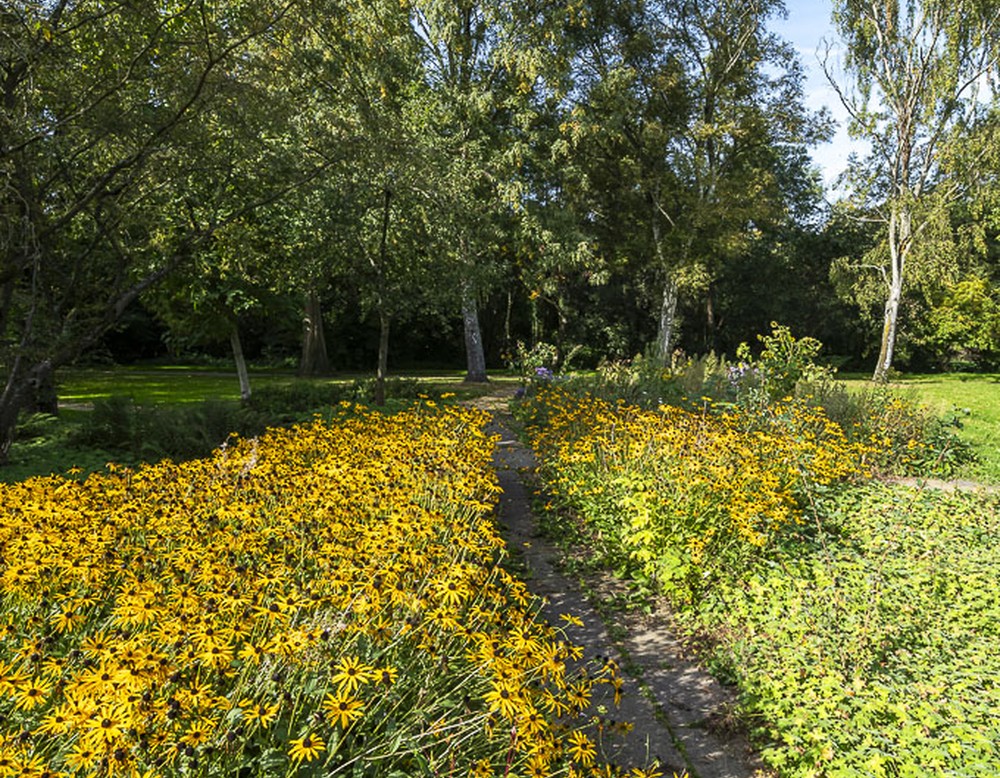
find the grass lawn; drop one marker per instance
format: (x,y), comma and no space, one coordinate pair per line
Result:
(186,384)
(974,399)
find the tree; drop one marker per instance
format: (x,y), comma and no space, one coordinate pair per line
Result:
(916,69)
(689,111)
(487,63)
(99,105)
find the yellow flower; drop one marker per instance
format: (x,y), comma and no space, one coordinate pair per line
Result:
(581,748)
(198,733)
(259,714)
(343,709)
(32,693)
(306,748)
(504,699)
(386,676)
(351,674)
(82,757)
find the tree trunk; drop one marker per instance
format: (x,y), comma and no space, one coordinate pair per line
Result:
(241,363)
(315,359)
(900,235)
(11,401)
(475,356)
(668,312)
(44,398)
(383,357)
(537,325)
(33,389)
(665,333)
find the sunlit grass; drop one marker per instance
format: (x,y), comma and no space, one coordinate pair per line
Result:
(190,384)
(160,385)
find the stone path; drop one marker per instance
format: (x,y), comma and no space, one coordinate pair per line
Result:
(678,710)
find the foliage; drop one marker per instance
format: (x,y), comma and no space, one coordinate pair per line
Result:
(783,363)
(527,361)
(901,435)
(154,432)
(316,601)
(677,497)
(857,621)
(868,646)
(905,436)
(687,121)
(968,404)
(963,327)
(151,432)
(915,69)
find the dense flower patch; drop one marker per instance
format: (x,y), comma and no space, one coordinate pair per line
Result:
(320,600)
(680,493)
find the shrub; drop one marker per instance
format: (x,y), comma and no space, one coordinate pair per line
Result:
(110,425)
(117,424)
(289,402)
(903,436)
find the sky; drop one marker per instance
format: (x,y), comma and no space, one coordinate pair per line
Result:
(807,26)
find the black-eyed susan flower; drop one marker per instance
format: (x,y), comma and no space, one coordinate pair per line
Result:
(198,733)
(306,748)
(260,714)
(351,674)
(343,709)
(82,757)
(30,694)
(504,699)
(581,748)
(386,676)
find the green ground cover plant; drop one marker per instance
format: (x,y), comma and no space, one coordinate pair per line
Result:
(869,644)
(858,619)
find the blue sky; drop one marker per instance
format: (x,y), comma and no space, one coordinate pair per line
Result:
(807,26)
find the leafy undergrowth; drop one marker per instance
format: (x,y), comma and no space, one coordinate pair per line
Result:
(858,620)
(873,647)
(322,600)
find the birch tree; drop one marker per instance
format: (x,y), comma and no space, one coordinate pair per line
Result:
(693,105)
(916,72)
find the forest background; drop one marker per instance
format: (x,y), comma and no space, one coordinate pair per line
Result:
(335,184)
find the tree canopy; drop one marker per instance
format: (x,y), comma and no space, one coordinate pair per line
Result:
(610,176)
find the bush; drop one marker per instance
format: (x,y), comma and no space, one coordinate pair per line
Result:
(396,388)
(118,425)
(903,436)
(290,402)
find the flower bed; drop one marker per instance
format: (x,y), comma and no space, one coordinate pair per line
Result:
(321,600)
(859,621)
